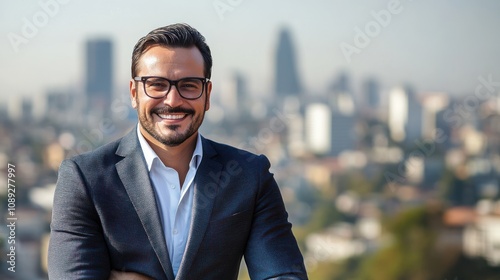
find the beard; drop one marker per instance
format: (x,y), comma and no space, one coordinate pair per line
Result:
(175,137)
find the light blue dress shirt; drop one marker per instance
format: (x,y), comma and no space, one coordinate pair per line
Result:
(175,202)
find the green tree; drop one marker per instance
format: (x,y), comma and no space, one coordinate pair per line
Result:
(411,254)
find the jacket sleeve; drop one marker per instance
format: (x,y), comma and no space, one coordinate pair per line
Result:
(77,248)
(272,251)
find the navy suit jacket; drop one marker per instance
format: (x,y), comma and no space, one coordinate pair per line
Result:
(106,217)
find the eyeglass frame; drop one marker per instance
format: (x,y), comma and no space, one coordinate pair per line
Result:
(171,83)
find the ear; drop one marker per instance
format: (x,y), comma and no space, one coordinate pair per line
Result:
(133,93)
(209,91)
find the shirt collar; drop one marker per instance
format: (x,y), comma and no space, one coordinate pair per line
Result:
(150,155)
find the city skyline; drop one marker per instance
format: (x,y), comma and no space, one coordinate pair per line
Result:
(351,164)
(432,46)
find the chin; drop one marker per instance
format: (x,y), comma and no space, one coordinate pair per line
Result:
(173,137)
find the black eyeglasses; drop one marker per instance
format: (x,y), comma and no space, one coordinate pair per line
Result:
(190,88)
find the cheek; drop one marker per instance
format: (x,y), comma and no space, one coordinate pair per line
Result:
(145,106)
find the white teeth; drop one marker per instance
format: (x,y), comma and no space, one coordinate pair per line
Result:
(171,117)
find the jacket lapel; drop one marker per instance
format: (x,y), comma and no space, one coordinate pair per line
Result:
(135,177)
(206,186)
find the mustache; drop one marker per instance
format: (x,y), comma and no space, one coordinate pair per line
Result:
(172,110)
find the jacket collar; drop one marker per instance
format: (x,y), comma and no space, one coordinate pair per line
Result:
(135,178)
(206,187)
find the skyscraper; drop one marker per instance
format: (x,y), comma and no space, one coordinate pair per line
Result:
(371,93)
(233,96)
(340,95)
(343,135)
(370,99)
(99,74)
(318,128)
(405,115)
(287,80)
(398,113)
(415,118)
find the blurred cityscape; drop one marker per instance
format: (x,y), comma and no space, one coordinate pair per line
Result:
(380,183)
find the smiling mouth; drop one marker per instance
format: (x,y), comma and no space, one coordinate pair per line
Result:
(171,116)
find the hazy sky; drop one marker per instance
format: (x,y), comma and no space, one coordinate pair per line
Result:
(434,45)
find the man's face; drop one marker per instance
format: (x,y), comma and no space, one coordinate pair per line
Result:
(170,120)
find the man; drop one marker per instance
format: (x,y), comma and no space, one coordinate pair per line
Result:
(163,202)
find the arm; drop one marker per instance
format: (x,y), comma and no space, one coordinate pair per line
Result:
(77,249)
(272,251)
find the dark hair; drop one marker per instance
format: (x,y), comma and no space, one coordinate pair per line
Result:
(174,35)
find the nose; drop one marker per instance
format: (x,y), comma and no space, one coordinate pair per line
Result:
(173,97)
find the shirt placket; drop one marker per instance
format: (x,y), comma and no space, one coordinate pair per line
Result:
(174,192)
(181,218)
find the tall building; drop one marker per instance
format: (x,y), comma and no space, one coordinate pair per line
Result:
(414,125)
(432,104)
(99,74)
(318,128)
(343,133)
(405,115)
(241,93)
(27,109)
(341,96)
(369,102)
(398,113)
(233,97)
(328,132)
(371,93)
(287,79)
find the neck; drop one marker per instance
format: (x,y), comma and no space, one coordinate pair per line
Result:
(176,157)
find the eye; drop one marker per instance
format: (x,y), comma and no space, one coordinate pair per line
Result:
(158,84)
(190,84)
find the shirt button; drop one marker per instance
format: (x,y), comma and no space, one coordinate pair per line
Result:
(175,231)
(172,186)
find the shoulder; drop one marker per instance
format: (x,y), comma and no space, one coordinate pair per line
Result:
(94,168)
(110,152)
(99,157)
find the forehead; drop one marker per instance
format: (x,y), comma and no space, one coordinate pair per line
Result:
(161,61)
